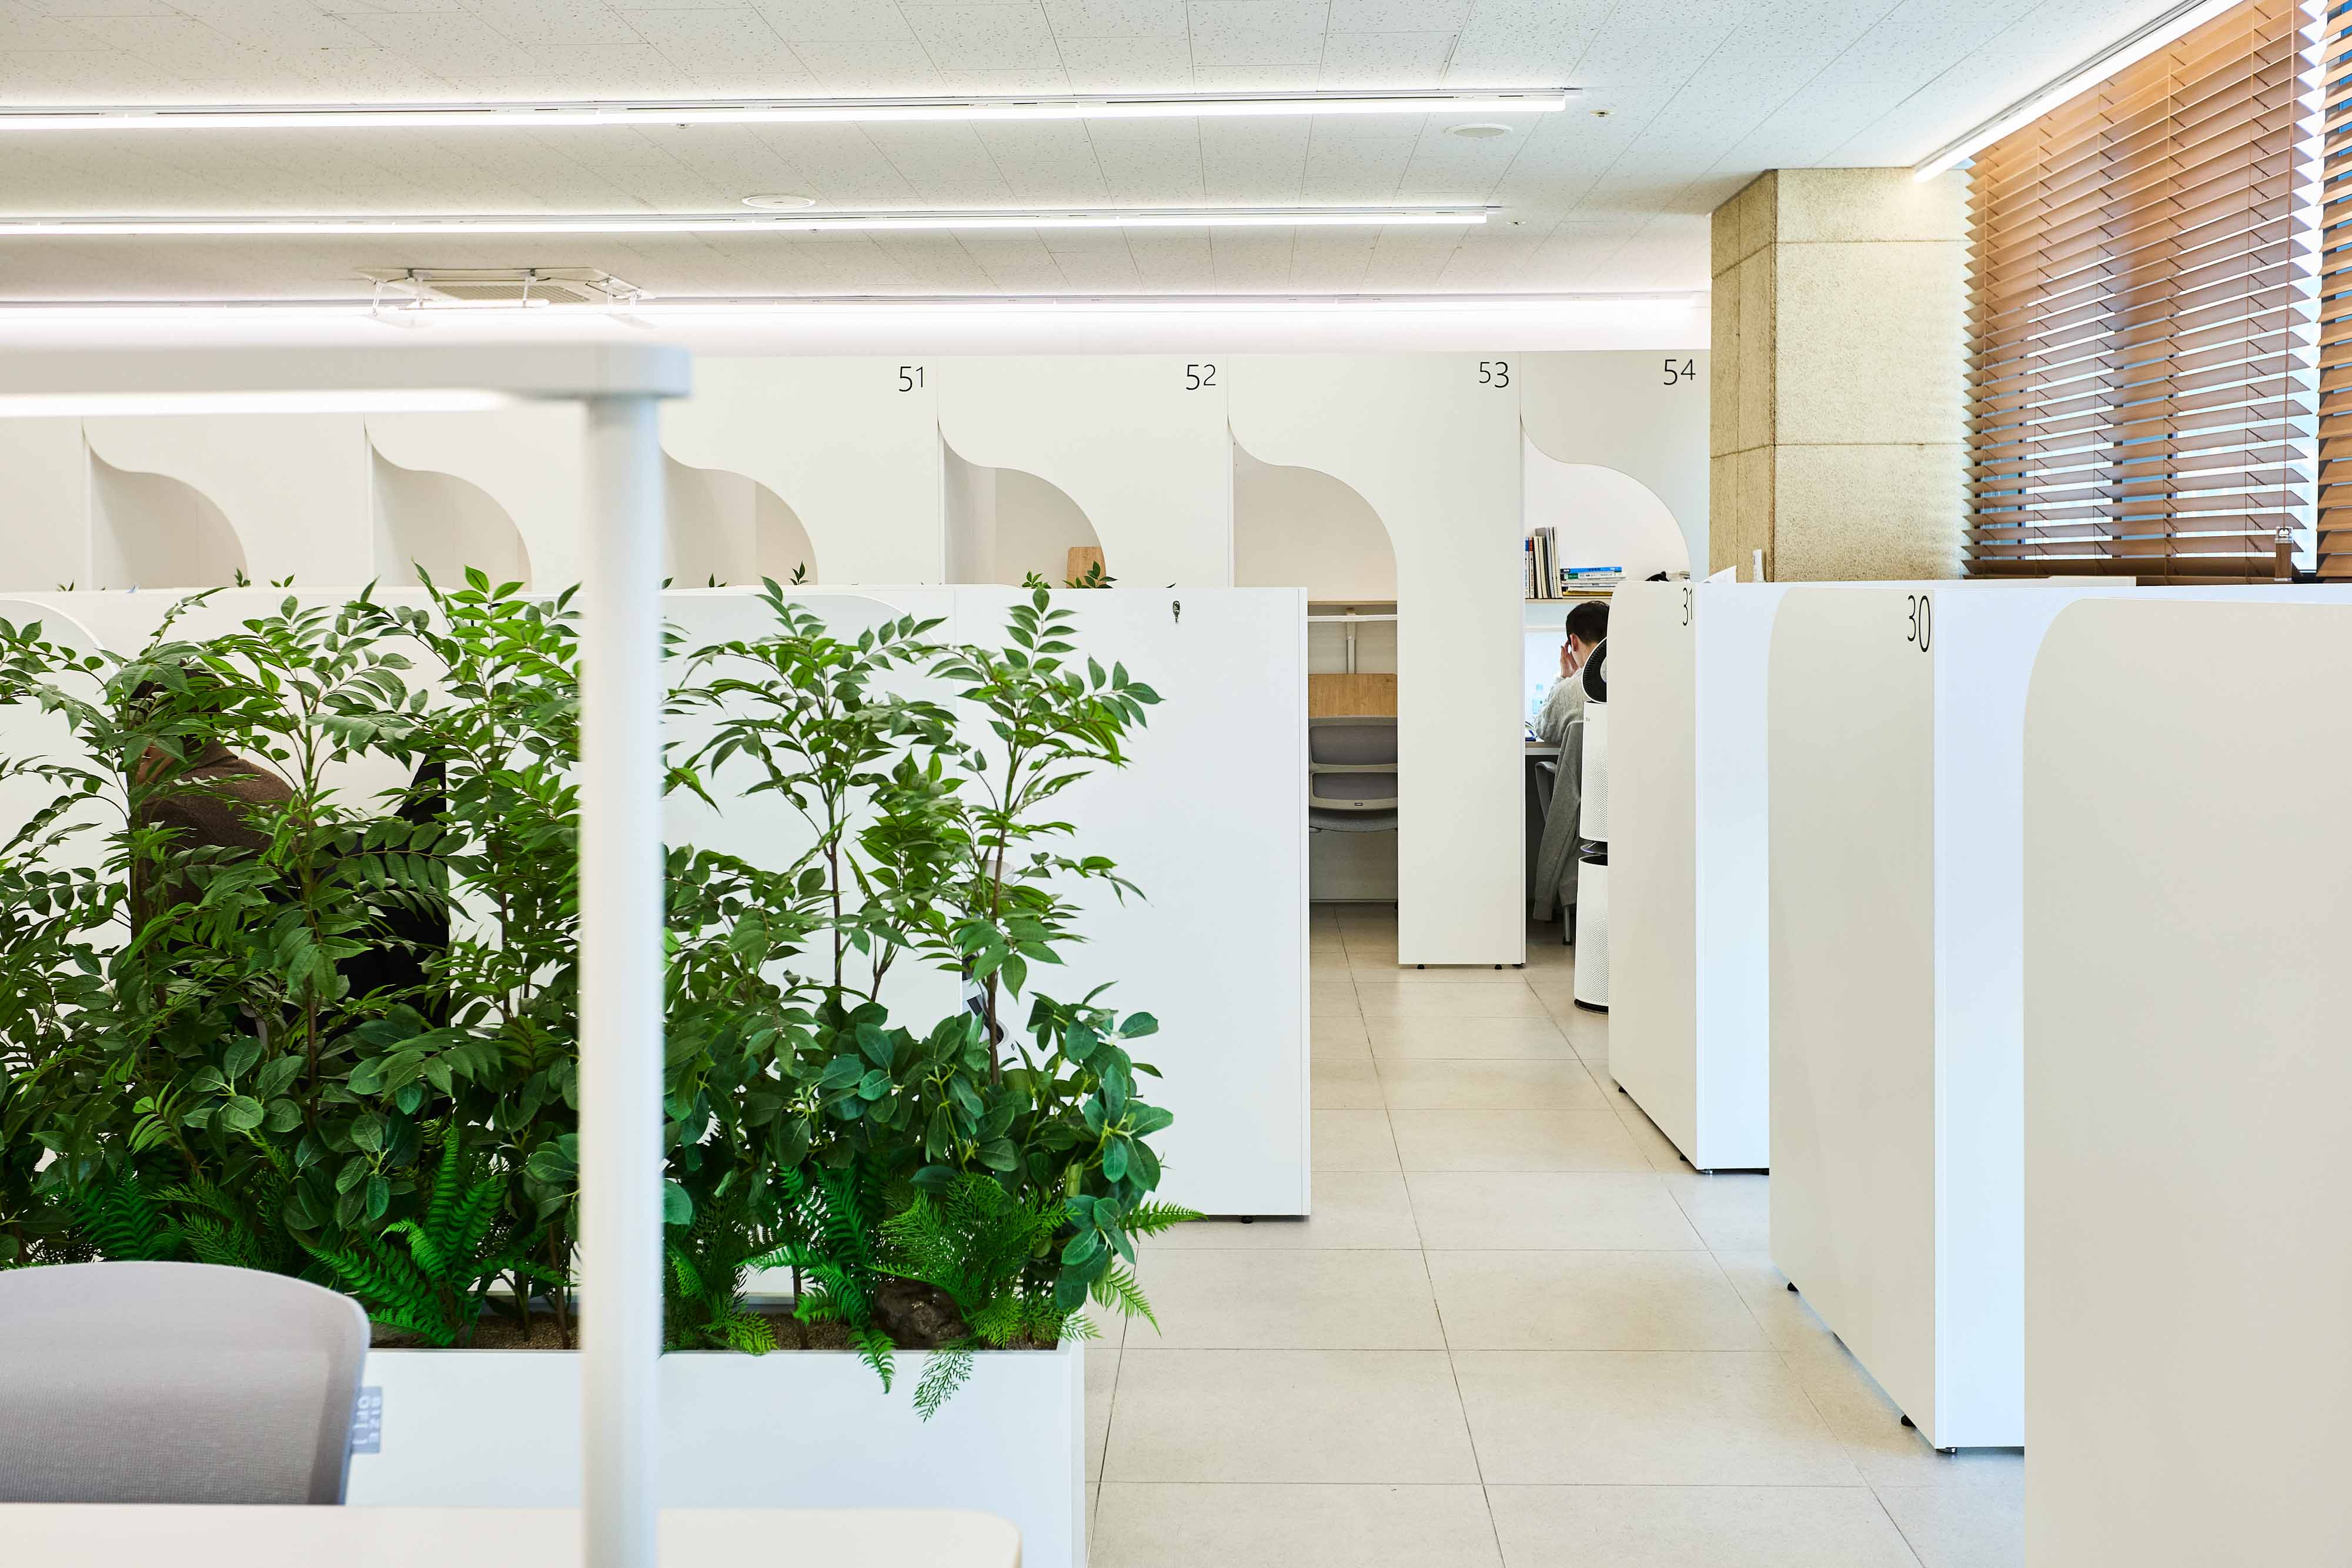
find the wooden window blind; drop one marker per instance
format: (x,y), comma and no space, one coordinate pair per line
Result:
(2335,522)
(2143,306)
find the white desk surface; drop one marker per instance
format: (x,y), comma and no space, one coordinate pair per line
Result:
(84,1536)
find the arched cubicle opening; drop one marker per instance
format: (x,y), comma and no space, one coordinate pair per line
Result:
(1301,527)
(726,528)
(442,524)
(1600,517)
(1005,524)
(150,530)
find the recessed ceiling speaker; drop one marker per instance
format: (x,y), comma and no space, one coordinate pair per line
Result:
(1482,132)
(779,201)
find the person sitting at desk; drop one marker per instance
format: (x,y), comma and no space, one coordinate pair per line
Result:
(1586,628)
(1561,722)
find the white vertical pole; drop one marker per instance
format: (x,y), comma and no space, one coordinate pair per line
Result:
(621,983)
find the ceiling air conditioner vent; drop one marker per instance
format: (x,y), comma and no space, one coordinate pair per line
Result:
(418,288)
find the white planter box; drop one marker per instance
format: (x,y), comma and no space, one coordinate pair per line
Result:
(791,1429)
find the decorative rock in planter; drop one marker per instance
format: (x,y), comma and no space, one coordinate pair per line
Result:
(791,1429)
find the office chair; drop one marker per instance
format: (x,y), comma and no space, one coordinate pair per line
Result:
(1352,765)
(174,1382)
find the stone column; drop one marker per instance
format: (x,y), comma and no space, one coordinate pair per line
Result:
(1838,384)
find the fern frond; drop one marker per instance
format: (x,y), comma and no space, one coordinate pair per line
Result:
(875,1349)
(1118,1290)
(1000,1322)
(1151,1218)
(124,1223)
(745,1330)
(944,1372)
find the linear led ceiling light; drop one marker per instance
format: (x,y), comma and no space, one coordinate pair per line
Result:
(2173,24)
(744,222)
(550,116)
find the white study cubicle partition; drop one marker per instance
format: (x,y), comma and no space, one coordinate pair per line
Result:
(1896,764)
(2188,1363)
(1688,960)
(855,451)
(45,473)
(852,445)
(1435,452)
(1138,442)
(292,487)
(527,460)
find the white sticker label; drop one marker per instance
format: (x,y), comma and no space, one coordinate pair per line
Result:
(367,1422)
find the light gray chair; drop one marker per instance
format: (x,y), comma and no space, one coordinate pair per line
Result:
(158,1383)
(1352,764)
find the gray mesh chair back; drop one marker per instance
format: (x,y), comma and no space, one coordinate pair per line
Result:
(1366,742)
(152,1383)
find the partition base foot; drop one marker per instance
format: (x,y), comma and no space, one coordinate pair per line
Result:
(1907,1421)
(1792,1286)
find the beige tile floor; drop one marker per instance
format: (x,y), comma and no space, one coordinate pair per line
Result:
(1518,1331)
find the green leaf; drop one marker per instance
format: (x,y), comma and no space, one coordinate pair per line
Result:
(241,1113)
(239,1057)
(677,1207)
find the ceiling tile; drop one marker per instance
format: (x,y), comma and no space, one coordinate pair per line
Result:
(1370,60)
(877,66)
(985,37)
(734,46)
(1251,261)
(835,21)
(1330,261)
(1257,32)
(1128,65)
(450,45)
(538,22)
(1399,15)
(1116,19)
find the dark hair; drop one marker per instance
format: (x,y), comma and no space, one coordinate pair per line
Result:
(1596,676)
(1590,621)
